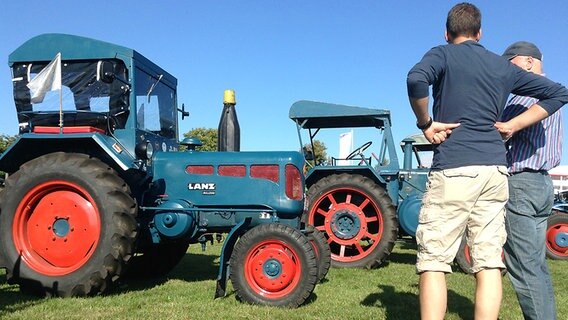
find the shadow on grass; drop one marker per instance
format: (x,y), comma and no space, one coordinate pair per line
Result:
(11,300)
(406,243)
(406,305)
(407,254)
(192,268)
(402,257)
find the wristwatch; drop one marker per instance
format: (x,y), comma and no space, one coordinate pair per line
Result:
(424,126)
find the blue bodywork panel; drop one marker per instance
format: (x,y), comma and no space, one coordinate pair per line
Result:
(226,181)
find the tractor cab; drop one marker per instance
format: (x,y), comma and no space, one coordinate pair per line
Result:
(70,85)
(326,121)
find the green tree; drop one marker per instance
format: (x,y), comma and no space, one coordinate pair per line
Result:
(319,152)
(5,142)
(208,137)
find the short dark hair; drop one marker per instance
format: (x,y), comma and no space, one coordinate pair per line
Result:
(464,19)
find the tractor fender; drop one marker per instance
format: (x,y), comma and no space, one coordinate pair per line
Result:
(226,253)
(386,177)
(30,146)
(319,173)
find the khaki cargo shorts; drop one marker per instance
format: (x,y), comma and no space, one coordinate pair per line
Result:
(472,197)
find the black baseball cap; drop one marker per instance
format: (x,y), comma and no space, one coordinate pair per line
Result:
(522,48)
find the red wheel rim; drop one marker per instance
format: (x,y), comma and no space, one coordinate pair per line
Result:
(363,230)
(56,227)
(273,269)
(553,233)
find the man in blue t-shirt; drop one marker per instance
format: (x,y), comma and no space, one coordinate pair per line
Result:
(467,187)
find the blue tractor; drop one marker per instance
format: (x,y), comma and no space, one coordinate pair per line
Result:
(359,200)
(98,188)
(363,201)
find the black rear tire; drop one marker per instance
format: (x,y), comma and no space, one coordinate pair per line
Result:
(357,217)
(67,225)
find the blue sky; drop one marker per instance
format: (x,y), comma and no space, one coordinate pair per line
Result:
(273,53)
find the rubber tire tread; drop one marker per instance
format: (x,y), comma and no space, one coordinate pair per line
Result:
(382,199)
(119,229)
(297,241)
(323,253)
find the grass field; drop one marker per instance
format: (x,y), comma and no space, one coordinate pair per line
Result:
(389,292)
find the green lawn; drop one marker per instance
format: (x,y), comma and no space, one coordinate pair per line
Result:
(389,292)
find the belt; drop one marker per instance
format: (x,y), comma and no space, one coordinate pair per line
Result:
(545,172)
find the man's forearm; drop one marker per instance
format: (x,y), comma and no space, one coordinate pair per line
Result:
(420,108)
(534,114)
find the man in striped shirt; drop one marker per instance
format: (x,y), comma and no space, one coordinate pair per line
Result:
(531,152)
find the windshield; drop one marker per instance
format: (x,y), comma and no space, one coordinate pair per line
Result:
(81,92)
(155,105)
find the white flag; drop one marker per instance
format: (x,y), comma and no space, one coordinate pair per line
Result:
(48,79)
(345,146)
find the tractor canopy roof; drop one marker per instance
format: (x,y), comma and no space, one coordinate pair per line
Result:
(312,115)
(45,47)
(419,142)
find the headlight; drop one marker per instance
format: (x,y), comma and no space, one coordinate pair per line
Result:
(144,150)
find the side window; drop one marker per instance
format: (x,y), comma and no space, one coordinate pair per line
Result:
(155,105)
(148,113)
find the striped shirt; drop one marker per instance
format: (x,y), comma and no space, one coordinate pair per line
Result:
(538,147)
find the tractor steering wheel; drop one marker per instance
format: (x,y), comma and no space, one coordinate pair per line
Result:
(359,150)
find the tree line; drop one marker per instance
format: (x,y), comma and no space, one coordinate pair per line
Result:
(208,137)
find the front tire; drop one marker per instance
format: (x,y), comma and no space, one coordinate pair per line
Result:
(67,225)
(357,217)
(273,264)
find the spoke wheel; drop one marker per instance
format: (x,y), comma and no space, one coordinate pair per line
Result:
(356,216)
